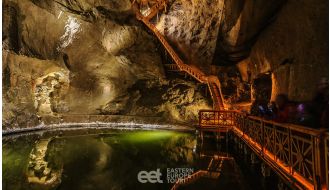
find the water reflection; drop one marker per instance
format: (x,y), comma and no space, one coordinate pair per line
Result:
(113,160)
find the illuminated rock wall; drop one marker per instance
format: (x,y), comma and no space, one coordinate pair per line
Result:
(94,57)
(294,48)
(85,57)
(192,28)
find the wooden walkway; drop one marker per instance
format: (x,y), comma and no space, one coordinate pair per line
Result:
(299,154)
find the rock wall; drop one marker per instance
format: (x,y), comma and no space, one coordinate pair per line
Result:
(192,28)
(234,88)
(241,24)
(94,57)
(85,57)
(293,49)
(19,87)
(219,32)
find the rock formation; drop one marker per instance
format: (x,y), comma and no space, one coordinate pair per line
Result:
(94,57)
(86,57)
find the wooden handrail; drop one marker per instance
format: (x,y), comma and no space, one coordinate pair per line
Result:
(156,8)
(298,153)
(298,128)
(192,71)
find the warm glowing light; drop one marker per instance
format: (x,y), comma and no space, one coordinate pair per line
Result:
(271,157)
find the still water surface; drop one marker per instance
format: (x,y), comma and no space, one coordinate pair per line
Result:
(112,160)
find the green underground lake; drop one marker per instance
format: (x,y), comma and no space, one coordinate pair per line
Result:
(114,159)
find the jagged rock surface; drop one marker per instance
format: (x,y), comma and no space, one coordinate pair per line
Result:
(83,57)
(293,49)
(192,27)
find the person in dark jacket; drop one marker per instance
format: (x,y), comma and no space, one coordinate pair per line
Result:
(320,104)
(286,110)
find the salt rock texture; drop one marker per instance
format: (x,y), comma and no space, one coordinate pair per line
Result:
(20,105)
(106,62)
(84,57)
(234,88)
(177,99)
(192,26)
(219,32)
(241,24)
(293,49)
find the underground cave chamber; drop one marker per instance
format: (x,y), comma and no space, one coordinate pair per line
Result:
(165,94)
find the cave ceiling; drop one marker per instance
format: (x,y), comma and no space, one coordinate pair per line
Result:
(204,32)
(218,32)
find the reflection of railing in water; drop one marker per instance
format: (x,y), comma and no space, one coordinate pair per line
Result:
(212,81)
(192,178)
(213,171)
(298,153)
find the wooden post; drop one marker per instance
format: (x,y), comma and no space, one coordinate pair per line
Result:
(319,161)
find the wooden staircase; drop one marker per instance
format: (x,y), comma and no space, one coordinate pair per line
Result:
(212,81)
(172,67)
(161,4)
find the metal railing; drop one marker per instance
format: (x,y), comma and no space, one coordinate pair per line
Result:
(298,153)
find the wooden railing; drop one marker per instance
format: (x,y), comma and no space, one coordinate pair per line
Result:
(215,90)
(298,153)
(161,4)
(171,67)
(214,118)
(212,81)
(190,179)
(213,171)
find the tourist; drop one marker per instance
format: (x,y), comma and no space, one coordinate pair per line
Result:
(305,115)
(286,110)
(271,111)
(320,105)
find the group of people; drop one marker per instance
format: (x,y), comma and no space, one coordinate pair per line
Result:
(314,114)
